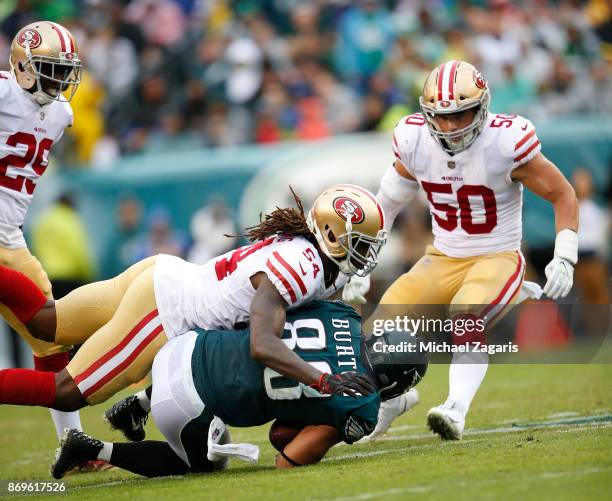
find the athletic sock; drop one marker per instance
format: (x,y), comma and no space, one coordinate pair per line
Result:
(20,294)
(27,387)
(144,399)
(465,375)
(149,458)
(106,452)
(61,420)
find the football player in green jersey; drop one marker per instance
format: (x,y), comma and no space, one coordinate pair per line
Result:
(206,374)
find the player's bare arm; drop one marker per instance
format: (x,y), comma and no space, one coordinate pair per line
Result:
(267,321)
(268,314)
(543,178)
(308,447)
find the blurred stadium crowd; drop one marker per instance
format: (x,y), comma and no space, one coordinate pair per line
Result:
(176,73)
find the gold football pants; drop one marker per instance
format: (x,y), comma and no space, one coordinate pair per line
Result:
(118,323)
(484,285)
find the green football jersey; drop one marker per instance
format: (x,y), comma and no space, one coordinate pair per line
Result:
(243,392)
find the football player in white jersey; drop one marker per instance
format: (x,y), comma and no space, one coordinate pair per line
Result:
(123,322)
(473,165)
(45,73)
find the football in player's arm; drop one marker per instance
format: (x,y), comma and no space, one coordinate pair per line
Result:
(221,381)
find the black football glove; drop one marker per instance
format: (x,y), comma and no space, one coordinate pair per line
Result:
(352,384)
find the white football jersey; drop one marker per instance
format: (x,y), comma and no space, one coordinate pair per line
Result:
(27,133)
(476,208)
(218,294)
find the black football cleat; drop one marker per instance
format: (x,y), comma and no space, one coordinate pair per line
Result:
(128,417)
(76,448)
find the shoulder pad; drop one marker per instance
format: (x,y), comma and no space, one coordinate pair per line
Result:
(519,141)
(294,268)
(4,84)
(405,136)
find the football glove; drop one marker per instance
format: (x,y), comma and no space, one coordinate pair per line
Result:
(560,278)
(355,290)
(351,384)
(560,271)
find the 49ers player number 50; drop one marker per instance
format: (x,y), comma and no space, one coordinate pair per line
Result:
(473,166)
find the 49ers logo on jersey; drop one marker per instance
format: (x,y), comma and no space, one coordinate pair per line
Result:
(348,209)
(29,38)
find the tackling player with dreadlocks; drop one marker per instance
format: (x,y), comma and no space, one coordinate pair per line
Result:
(123,322)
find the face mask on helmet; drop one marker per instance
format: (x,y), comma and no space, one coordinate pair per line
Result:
(53,78)
(458,140)
(361,252)
(44,60)
(455,87)
(398,369)
(360,255)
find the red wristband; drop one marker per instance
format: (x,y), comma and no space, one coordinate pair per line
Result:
(323,385)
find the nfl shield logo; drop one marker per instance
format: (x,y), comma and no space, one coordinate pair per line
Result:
(451,164)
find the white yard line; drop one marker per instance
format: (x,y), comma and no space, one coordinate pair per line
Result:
(380,452)
(33,457)
(576,424)
(512,420)
(558,415)
(419,489)
(127,481)
(396,429)
(504,429)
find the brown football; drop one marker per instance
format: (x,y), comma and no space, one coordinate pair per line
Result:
(283,433)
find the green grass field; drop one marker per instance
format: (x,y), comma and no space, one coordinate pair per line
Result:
(534,432)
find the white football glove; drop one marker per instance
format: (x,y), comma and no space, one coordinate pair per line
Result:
(560,275)
(560,271)
(355,291)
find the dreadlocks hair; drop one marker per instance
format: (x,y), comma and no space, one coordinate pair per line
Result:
(288,221)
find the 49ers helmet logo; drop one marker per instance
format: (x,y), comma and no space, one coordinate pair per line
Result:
(479,81)
(348,209)
(29,38)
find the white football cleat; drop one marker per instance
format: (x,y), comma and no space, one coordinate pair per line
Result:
(447,420)
(392,409)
